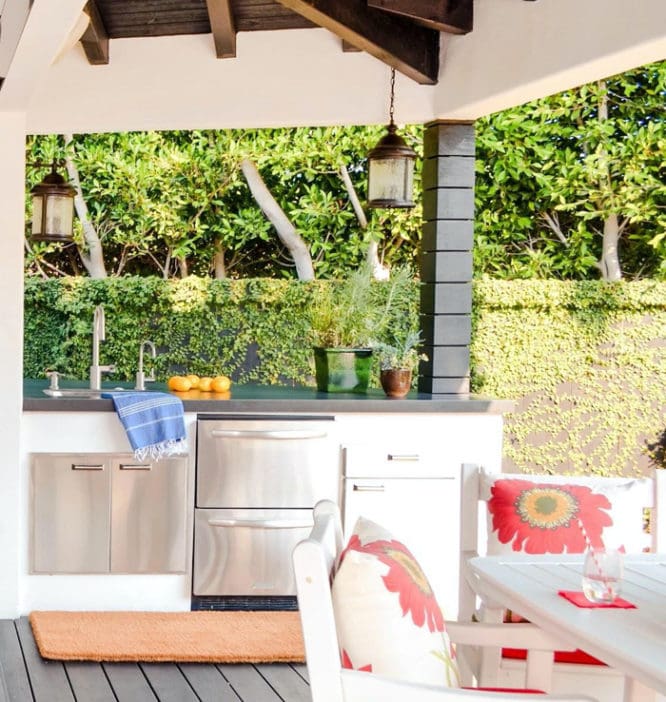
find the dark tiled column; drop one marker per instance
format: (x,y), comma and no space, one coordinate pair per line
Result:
(446,257)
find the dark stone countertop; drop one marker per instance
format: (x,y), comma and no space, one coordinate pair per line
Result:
(268,398)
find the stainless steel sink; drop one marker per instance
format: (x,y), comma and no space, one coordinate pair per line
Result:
(83,392)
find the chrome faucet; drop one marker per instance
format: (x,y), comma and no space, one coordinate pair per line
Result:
(99,334)
(141,377)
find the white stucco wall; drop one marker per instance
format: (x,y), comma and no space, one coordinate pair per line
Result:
(12,214)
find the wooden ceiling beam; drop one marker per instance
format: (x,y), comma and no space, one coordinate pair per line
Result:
(409,48)
(223,26)
(453,16)
(95,40)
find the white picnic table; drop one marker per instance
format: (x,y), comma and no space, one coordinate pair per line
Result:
(630,640)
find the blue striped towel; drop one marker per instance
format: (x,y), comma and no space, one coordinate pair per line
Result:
(154,422)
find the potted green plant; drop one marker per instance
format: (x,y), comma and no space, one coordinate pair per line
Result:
(343,318)
(397,361)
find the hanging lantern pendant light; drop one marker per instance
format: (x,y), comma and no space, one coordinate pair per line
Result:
(391,167)
(52,208)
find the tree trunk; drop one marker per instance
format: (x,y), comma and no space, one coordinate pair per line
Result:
(609,264)
(219,264)
(610,259)
(93,261)
(276,216)
(379,272)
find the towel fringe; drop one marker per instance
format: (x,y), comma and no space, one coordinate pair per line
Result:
(163,449)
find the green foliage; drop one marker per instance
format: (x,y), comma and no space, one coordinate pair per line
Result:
(402,354)
(549,173)
(254,330)
(584,362)
(171,203)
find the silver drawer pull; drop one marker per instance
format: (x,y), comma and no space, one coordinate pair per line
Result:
(404,457)
(136,466)
(83,466)
(268,434)
(262,523)
(368,488)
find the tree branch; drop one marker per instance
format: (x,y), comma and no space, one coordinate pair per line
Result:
(274,213)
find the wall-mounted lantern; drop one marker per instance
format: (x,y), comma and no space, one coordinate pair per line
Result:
(52,207)
(391,167)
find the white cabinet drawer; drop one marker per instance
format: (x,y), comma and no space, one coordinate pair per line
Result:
(396,460)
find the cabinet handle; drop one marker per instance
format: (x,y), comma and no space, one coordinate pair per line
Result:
(267,434)
(135,466)
(83,466)
(403,457)
(368,488)
(262,523)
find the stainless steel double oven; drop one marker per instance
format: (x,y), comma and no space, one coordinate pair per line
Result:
(258,478)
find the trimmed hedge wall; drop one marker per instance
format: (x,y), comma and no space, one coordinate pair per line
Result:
(585,361)
(253,330)
(586,364)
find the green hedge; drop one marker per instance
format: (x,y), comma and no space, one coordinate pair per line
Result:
(585,361)
(254,330)
(586,364)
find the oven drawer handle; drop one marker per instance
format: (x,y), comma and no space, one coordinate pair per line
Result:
(268,434)
(403,457)
(262,523)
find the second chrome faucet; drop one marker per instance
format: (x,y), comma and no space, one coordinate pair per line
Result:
(141,377)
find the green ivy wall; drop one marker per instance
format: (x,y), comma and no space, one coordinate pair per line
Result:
(584,361)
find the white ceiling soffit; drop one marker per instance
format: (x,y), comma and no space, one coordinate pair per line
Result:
(48,26)
(517,51)
(520,51)
(13,16)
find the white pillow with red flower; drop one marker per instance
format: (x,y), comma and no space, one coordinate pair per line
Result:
(386,614)
(563,514)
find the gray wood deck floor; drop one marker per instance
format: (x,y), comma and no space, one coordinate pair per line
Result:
(27,677)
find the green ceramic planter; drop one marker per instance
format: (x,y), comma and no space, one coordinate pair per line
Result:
(342,370)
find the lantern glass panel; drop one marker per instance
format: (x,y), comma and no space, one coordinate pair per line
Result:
(59,215)
(36,215)
(390,179)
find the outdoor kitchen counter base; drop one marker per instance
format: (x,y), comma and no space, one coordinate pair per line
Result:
(446,431)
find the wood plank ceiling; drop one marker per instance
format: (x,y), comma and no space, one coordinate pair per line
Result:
(402,33)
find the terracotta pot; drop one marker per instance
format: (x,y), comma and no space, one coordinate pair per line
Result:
(396,381)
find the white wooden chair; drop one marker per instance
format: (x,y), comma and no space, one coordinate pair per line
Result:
(314,563)
(488,665)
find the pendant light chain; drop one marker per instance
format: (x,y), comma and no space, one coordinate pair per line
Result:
(391,108)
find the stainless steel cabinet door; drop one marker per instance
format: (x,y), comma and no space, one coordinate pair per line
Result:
(70,513)
(149,516)
(247,551)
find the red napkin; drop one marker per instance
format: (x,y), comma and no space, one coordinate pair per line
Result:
(579,599)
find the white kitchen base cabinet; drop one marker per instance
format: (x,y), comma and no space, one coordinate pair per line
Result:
(107,513)
(421,513)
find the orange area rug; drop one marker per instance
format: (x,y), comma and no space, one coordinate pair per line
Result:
(186,637)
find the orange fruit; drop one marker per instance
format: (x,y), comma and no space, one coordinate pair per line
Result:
(194,379)
(205,384)
(179,383)
(220,383)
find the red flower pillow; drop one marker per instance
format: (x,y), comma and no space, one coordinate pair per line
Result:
(386,614)
(558,514)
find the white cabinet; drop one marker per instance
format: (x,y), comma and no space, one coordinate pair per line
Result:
(107,513)
(396,473)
